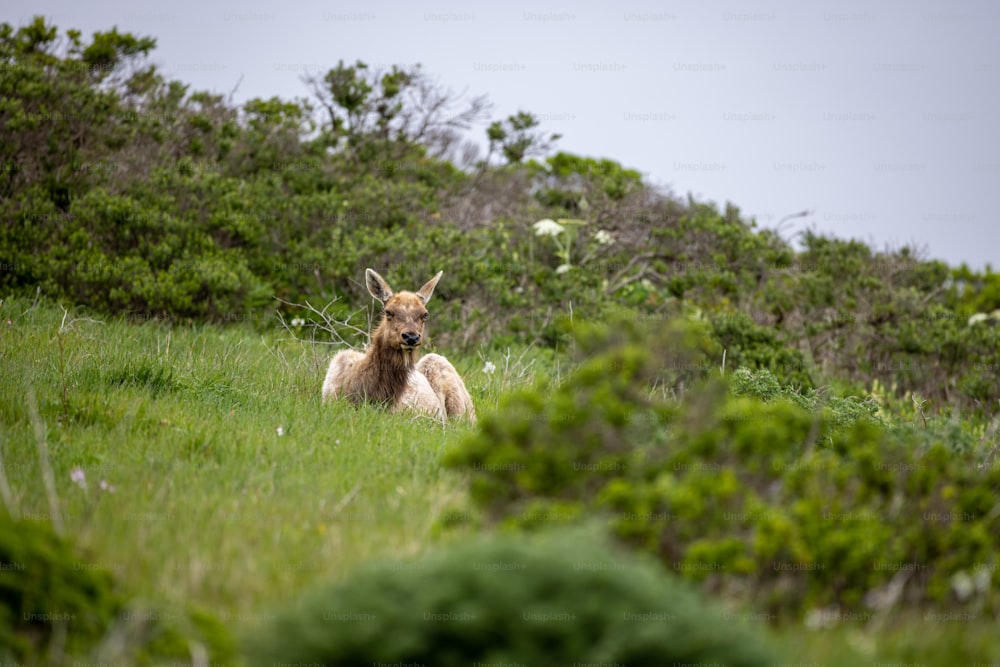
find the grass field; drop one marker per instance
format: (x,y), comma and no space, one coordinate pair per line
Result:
(198,466)
(232,484)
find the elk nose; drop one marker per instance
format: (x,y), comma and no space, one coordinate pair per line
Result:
(411,338)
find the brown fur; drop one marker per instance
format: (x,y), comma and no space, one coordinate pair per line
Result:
(391,372)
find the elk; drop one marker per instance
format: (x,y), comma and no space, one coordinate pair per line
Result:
(391,372)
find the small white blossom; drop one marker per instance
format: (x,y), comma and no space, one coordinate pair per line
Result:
(298,322)
(280,430)
(603,237)
(78,477)
(822,618)
(990,318)
(107,487)
(563,268)
(982,578)
(962,585)
(489,367)
(548,227)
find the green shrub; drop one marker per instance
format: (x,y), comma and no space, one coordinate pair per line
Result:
(54,601)
(762,384)
(44,590)
(751,345)
(561,598)
(785,500)
(604,422)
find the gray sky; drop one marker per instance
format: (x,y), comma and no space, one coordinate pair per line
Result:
(878,116)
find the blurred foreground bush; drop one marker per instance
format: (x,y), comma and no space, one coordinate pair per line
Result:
(55,607)
(558,599)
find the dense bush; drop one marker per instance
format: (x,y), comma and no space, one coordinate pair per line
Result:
(565,598)
(863,316)
(44,591)
(787,500)
(751,345)
(55,604)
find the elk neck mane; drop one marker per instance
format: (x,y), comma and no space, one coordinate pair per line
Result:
(382,375)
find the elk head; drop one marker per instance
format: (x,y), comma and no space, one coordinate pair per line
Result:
(405,313)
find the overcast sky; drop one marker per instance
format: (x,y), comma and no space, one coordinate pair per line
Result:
(880,117)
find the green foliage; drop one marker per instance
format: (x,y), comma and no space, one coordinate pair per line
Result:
(377,118)
(348,87)
(779,498)
(748,344)
(604,421)
(130,256)
(844,410)
(272,144)
(58,120)
(974,292)
(109,50)
(55,602)
(44,592)
(867,316)
(566,597)
(513,138)
(569,179)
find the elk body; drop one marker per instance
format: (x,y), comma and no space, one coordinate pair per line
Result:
(392,372)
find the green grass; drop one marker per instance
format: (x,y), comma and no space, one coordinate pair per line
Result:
(213,507)
(211,503)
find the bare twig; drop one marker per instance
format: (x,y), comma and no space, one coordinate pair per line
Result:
(232,93)
(327,323)
(38,295)
(64,327)
(348,497)
(991,433)
(919,407)
(619,280)
(989,455)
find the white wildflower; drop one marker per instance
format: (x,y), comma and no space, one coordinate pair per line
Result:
(603,237)
(280,430)
(962,585)
(563,268)
(298,322)
(990,318)
(548,227)
(982,579)
(822,618)
(489,368)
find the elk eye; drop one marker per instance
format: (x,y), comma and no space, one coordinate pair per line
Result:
(389,314)
(425,316)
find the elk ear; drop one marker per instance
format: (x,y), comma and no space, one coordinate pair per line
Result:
(377,286)
(425,292)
